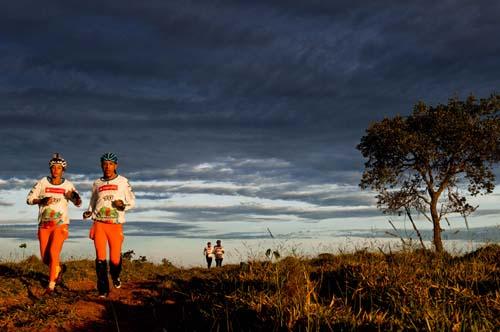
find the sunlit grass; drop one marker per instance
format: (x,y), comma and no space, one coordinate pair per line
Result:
(408,289)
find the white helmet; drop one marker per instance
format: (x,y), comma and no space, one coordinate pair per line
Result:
(57,159)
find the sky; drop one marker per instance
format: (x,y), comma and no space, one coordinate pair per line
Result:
(228,116)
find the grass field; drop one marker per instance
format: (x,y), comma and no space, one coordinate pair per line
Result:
(409,290)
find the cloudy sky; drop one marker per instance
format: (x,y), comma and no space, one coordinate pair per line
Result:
(242,114)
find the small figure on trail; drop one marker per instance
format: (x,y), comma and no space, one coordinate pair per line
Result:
(52,194)
(219,253)
(208,251)
(111,196)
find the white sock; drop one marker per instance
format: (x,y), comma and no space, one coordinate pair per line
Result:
(52,284)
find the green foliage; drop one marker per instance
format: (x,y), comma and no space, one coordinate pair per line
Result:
(424,160)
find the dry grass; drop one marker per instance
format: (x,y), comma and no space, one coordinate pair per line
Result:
(407,290)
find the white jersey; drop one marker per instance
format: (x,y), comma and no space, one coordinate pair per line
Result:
(219,252)
(208,251)
(104,192)
(56,212)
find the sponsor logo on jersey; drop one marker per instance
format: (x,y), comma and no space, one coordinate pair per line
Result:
(108,187)
(55,190)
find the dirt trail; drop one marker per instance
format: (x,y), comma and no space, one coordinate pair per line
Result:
(133,307)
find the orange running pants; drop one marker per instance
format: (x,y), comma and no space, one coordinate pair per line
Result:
(51,241)
(112,235)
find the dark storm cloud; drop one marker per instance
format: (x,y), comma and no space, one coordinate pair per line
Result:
(27,184)
(274,191)
(159,229)
(255,213)
(153,196)
(267,49)
(172,84)
(268,193)
(269,179)
(80,230)
(14,183)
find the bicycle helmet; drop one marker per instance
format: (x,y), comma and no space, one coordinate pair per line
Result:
(57,159)
(109,156)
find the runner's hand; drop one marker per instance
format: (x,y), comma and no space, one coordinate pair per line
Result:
(74,197)
(87,214)
(45,201)
(119,205)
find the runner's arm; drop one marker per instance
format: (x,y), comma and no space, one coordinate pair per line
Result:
(73,196)
(129,197)
(34,195)
(92,203)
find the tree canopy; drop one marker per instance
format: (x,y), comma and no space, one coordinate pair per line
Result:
(428,160)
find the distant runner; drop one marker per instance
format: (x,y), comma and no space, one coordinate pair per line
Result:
(112,195)
(51,194)
(219,253)
(209,254)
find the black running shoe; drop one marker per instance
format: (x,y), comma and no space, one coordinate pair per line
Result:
(117,283)
(59,278)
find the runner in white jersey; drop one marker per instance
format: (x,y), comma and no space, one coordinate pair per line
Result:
(106,195)
(52,194)
(219,253)
(208,251)
(112,195)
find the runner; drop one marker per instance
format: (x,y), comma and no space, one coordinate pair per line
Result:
(219,253)
(112,195)
(52,194)
(208,251)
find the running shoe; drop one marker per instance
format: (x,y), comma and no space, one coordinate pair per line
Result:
(117,283)
(59,278)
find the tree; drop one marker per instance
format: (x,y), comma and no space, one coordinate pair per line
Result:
(427,161)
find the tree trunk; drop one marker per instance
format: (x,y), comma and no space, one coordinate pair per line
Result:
(436,222)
